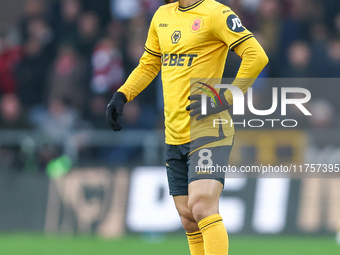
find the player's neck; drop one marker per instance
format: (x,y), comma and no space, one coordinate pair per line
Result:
(186,3)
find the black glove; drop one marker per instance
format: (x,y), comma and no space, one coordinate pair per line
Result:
(213,105)
(115,109)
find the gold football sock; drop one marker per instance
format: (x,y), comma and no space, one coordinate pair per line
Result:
(195,241)
(215,236)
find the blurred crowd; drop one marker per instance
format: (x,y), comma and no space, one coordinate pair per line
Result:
(70,57)
(63,59)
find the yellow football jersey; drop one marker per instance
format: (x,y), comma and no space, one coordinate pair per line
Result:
(191,42)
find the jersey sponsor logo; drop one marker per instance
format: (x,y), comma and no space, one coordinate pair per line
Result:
(225,11)
(163,25)
(176,36)
(174,59)
(196,24)
(234,23)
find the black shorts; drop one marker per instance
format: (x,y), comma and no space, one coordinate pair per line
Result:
(204,163)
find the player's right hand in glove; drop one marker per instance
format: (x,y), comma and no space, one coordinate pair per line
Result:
(115,109)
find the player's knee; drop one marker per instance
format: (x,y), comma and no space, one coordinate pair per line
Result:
(201,206)
(187,219)
(189,224)
(183,210)
(198,209)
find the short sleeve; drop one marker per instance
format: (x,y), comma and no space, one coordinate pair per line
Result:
(227,27)
(152,42)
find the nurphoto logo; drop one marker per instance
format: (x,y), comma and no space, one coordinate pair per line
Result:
(239,105)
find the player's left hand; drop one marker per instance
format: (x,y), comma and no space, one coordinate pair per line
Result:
(213,106)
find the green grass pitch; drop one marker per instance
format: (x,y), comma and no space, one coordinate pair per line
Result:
(35,244)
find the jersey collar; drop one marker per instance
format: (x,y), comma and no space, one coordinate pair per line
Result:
(190,7)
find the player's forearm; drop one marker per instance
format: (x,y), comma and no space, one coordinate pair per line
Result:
(141,76)
(254,59)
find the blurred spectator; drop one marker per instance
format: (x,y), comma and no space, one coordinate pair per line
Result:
(64,19)
(11,113)
(39,29)
(10,55)
(116,32)
(66,78)
(322,114)
(136,117)
(337,25)
(31,73)
(9,37)
(300,14)
(332,9)
(333,53)
(246,14)
(135,41)
(270,25)
(33,9)
(60,119)
(150,6)
(299,61)
(108,71)
(319,41)
(88,34)
(101,8)
(96,112)
(12,117)
(138,29)
(124,10)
